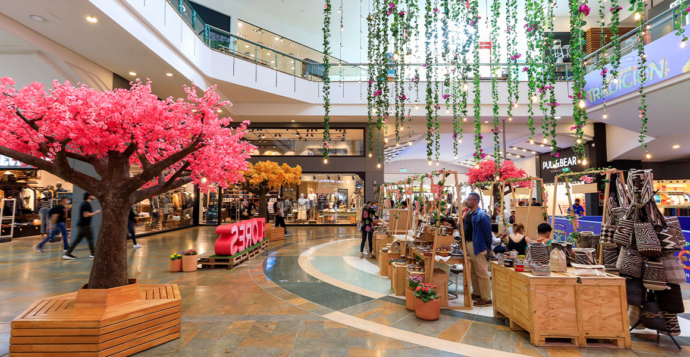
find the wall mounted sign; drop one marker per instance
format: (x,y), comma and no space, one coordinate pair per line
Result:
(550,167)
(9,163)
(665,59)
(237,237)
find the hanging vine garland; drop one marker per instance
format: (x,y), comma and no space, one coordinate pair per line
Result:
(496,50)
(578,11)
(603,60)
(680,30)
(616,41)
(397,53)
(465,49)
(543,66)
(371,45)
(642,72)
(474,22)
(428,17)
(437,105)
(382,80)
(532,27)
(552,83)
(326,78)
(513,56)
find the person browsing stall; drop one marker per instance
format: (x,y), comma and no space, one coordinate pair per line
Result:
(477,226)
(518,241)
(577,208)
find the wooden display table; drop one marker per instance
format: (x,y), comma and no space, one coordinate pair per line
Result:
(584,311)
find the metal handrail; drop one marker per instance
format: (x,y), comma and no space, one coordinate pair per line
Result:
(634,31)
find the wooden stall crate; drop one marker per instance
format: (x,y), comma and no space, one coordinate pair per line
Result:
(399,280)
(563,308)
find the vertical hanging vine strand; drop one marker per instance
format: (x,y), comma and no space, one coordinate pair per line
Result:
(474,23)
(642,73)
(552,83)
(615,58)
(429,90)
(371,45)
(532,27)
(578,11)
(326,78)
(495,58)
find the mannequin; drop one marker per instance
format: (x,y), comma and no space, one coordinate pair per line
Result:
(334,200)
(313,198)
(58,187)
(302,210)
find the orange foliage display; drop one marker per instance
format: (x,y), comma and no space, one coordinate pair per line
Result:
(273,175)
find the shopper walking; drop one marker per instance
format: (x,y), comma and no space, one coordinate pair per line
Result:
(84,226)
(368,222)
(58,217)
(130,228)
(477,225)
(280,214)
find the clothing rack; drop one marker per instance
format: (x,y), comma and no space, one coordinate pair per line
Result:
(7,238)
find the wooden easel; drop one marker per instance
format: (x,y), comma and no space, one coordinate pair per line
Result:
(607,192)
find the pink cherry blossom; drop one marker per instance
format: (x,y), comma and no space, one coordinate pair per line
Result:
(325,144)
(584,10)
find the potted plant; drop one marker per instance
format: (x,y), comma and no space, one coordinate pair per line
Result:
(176,262)
(390,268)
(189,260)
(413,282)
(427,302)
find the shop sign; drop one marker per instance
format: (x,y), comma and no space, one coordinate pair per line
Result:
(237,237)
(565,162)
(665,60)
(9,163)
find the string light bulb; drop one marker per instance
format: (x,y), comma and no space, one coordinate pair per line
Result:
(436,163)
(325,161)
(464,119)
(535,99)
(409,143)
(416,107)
(429,162)
(649,156)
(578,141)
(369,154)
(531,141)
(582,104)
(455,157)
(515,105)
(637,16)
(545,141)
(606,116)
(476,166)
(464,87)
(385,140)
(682,43)
(615,80)
(378,165)
(510,118)
(584,161)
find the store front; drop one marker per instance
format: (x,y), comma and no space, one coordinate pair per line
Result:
(331,198)
(27,195)
(567,162)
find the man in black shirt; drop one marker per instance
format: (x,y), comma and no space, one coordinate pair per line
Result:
(58,217)
(84,226)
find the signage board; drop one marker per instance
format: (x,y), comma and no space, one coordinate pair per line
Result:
(9,163)
(237,237)
(566,162)
(665,59)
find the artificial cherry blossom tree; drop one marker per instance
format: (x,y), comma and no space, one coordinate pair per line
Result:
(173,142)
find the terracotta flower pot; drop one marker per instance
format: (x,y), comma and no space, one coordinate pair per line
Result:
(410,298)
(429,311)
(176,265)
(390,271)
(189,262)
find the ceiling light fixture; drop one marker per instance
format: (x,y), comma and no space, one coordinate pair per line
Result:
(169,74)
(676,146)
(37,18)
(132,73)
(91,19)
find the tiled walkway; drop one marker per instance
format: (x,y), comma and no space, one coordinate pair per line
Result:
(272,306)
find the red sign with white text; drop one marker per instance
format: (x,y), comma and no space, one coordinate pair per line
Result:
(237,237)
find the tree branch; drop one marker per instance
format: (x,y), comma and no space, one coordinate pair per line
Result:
(29,159)
(153,170)
(157,190)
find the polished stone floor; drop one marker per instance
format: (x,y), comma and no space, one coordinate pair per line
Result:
(308,296)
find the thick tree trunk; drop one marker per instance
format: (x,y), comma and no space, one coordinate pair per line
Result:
(109,269)
(263,201)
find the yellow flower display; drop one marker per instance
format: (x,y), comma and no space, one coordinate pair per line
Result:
(272,174)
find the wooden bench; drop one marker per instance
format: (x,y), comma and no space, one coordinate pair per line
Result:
(133,319)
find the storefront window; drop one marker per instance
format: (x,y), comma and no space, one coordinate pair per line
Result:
(211,210)
(673,197)
(27,196)
(306,142)
(324,199)
(173,209)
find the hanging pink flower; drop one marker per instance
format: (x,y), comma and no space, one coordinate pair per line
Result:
(435,10)
(525,69)
(401,13)
(325,144)
(446,96)
(615,9)
(687,10)
(515,56)
(325,6)
(424,65)
(378,93)
(391,5)
(604,71)
(584,10)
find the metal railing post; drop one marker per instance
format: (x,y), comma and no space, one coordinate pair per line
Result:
(194,20)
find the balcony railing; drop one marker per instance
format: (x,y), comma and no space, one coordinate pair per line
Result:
(225,42)
(655,28)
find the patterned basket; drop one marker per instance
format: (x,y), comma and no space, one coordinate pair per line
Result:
(671,299)
(673,269)
(583,240)
(631,264)
(606,237)
(653,276)
(646,240)
(611,257)
(672,324)
(624,232)
(585,256)
(636,291)
(652,317)
(537,252)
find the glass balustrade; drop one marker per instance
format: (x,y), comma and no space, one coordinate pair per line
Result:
(228,43)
